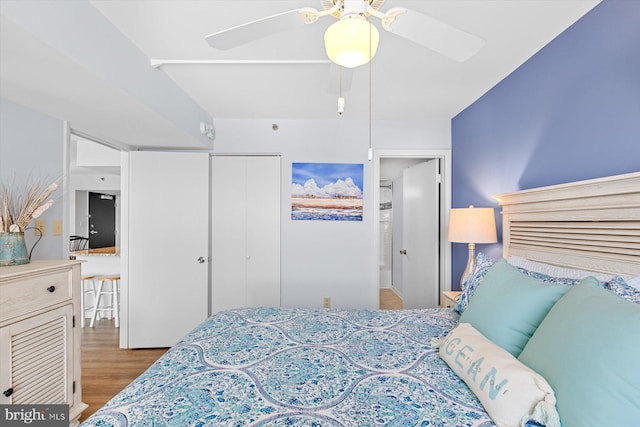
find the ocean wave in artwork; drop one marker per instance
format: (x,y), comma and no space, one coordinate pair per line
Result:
(326,209)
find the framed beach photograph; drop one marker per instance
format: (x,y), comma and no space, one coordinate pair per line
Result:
(326,191)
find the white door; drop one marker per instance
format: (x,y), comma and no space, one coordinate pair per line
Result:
(398,243)
(245,231)
(168,246)
(420,236)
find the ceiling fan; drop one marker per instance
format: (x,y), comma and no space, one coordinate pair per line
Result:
(354,33)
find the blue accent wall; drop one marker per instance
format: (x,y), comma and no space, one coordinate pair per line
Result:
(571,112)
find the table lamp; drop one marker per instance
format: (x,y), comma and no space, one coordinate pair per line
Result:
(472,225)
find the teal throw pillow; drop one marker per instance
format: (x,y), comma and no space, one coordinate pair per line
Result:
(587,349)
(508,306)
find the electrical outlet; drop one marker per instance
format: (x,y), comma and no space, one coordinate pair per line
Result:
(57,227)
(326,302)
(40,225)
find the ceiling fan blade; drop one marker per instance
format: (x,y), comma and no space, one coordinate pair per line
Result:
(244,33)
(333,84)
(432,33)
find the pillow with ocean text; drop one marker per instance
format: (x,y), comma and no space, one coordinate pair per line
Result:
(511,393)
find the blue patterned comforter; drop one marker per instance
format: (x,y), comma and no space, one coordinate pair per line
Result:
(302,367)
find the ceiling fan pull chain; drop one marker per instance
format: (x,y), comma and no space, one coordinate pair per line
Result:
(340,97)
(370,151)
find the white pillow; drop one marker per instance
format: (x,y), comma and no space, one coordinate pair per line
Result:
(510,392)
(556,271)
(634,282)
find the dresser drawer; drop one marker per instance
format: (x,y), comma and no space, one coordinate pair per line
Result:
(24,295)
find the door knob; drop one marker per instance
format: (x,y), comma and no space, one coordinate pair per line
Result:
(403,251)
(201,260)
(93,232)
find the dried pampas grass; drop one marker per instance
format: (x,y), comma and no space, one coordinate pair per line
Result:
(19,205)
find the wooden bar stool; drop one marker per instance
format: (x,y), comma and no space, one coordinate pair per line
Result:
(113,305)
(86,280)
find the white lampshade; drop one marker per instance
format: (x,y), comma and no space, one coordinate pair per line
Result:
(472,225)
(347,41)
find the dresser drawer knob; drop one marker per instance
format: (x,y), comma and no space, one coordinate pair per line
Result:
(8,392)
(51,288)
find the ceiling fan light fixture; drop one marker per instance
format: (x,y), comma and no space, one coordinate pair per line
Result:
(347,41)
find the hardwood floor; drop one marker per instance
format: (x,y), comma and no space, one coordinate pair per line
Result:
(389,300)
(107,369)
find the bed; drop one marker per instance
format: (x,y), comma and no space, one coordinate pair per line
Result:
(330,367)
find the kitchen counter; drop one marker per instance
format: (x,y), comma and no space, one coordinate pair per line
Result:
(109,251)
(100,261)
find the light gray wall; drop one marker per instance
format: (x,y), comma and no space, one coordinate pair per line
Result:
(319,258)
(31,147)
(328,258)
(80,208)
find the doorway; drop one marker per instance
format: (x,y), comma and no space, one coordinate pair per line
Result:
(93,168)
(102,220)
(392,254)
(93,180)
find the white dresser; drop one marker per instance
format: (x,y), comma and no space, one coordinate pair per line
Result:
(40,336)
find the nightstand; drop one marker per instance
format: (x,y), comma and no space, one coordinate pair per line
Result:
(449,298)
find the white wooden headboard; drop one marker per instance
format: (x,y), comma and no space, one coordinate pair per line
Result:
(590,225)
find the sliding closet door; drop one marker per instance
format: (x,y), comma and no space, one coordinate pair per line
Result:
(263,231)
(228,232)
(245,227)
(168,246)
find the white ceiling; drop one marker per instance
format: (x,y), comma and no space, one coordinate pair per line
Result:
(409,82)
